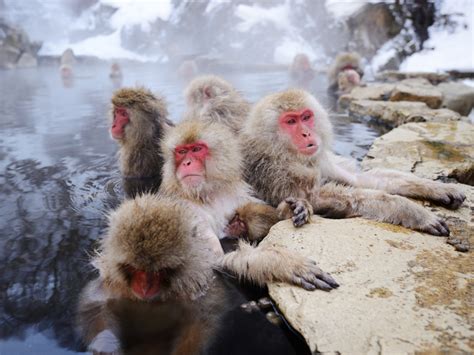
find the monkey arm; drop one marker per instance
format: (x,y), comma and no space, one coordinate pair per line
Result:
(95,322)
(339,201)
(409,185)
(394,182)
(268,263)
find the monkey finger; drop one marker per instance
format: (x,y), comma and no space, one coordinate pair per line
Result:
(299,209)
(300,220)
(298,281)
(324,276)
(444,227)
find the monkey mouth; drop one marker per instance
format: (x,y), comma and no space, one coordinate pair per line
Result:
(309,149)
(193,180)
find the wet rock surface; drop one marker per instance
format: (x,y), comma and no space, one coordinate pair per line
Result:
(393,114)
(401,291)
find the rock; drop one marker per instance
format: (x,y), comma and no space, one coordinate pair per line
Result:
(393,114)
(457,97)
(401,291)
(8,56)
(27,61)
(392,75)
(436,151)
(419,90)
(377,91)
(14,44)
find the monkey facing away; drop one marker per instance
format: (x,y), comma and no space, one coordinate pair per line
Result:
(203,169)
(212,99)
(287,140)
(345,72)
(138,121)
(157,292)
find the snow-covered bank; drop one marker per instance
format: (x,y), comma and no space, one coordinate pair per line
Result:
(447,49)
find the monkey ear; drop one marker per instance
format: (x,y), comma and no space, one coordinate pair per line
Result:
(207,92)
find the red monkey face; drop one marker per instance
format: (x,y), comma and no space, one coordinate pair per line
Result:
(299,126)
(121,120)
(144,285)
(190,163)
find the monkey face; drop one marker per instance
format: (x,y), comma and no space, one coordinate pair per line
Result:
(299,127)
(148,252)
(120,120)
(190,160)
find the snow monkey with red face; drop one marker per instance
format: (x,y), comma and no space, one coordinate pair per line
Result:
(287,152)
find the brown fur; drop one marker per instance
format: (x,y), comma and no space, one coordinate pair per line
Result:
(212,99)
(276,170)
(152,233)
(342,60)
(140,157)
(221,196)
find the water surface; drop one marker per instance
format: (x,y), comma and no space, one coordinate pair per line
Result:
(58,177)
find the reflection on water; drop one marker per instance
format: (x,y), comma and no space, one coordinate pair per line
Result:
(58,177)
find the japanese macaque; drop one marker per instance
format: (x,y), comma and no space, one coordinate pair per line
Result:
(152,291)
(115,71)
(67,62)
(346,70)
(301,72)
(138,121)
(212,99)
(203,169)
(287,139)
(157,292)
(187,70)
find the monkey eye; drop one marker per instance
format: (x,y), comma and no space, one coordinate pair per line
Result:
(182,151)
(291,121)
(306,116)
(196,149)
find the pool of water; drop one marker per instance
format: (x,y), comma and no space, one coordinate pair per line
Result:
(58,177)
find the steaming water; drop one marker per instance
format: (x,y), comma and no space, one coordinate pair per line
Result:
(58,177)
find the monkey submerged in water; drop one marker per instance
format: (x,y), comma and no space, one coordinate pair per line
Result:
(287,139)
(345,73)
(157,292)
(138,122)
(212,99)
(203,170)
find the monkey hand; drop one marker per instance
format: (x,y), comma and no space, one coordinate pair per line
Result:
(299,210)
(308,275)
(236,228)
(418,218)
(447,195)
(105,343)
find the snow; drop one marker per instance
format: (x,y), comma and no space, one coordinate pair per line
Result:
(251,15)
(138,12)
(291,46)
(342,9)
(451,50)
(104,47)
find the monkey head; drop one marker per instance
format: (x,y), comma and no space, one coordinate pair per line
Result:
(136,115)
(347,80)
(200,158)
(301,62)
(291,120)
(206,88)
(149,253)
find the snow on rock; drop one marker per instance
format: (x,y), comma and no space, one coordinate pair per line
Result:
(450,49)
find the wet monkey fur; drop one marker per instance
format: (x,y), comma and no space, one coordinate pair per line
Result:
(287,139)
(212,99)
(138,120)
(203,170)
(345,72)
(157,292)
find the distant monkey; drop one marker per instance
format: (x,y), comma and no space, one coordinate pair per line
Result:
(349,64)
(138,121)
(115,71)
(347,80)
(212,99)
(301,72)
(203,169)
(187,70)
(66,65)
(157,292)
(287,140)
